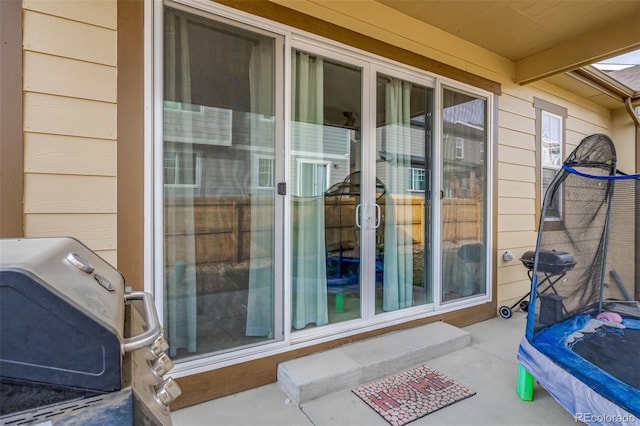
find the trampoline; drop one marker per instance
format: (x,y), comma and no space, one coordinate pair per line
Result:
(582,339)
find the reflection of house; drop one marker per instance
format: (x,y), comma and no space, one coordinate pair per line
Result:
(247,140)
(464,149)
(84,153)
(224,143)
(323,152)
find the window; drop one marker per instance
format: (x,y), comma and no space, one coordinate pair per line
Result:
(550,140)
(459,148)
(417,180)
(265,172)
(181,168)
(221,105)
(313,178)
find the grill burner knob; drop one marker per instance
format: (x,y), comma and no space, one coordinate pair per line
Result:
(159,347)
(167,391)
(162,365)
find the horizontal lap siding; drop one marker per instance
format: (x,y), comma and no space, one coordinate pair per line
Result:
(70,136)
(517,173)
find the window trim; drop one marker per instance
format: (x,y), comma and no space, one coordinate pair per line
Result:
(12,217)
(541,105)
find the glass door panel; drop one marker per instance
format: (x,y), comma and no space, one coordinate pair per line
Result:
(464,203)
(220,207)
(403,168)
(325,167)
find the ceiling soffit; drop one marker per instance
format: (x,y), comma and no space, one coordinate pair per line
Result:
(542,38)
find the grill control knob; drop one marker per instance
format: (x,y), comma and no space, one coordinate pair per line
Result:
(167,391)
(162,365)
(159,347)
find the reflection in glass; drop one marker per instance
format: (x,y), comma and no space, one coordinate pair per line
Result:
(403,144)
(219,138)
(325,156)
(464,204)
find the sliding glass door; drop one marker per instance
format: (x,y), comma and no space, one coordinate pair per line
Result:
(404,112)
(373,201)
(360,204)
(222,272)
(326,108)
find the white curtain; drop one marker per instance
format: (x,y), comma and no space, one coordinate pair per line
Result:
(260,304)
(180,251)
(309,274)
(398,244)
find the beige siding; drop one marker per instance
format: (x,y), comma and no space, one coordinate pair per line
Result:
(516,139)
(520,239)
(70,39)
(69,116)
(69,84)
(69,77)
(100,13)
(517,172)
(515,206)
(57,193)
(58,154)
(95,230)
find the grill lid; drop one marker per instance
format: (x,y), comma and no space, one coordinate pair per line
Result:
(549,261)
(72,270)
(61,314)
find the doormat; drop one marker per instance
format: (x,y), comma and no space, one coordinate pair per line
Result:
(408,396)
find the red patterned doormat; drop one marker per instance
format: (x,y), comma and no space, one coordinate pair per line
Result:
(405,397)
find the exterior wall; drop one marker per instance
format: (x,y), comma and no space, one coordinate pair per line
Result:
(517,173)
(72,164)
(69,92)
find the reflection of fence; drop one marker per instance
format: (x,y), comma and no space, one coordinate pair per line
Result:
(462,220)
(222,225)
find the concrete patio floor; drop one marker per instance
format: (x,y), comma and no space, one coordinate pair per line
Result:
(488,366)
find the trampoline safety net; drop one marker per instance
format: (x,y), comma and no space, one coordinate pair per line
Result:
(587,254)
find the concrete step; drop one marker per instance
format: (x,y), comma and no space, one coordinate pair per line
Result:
(348,366)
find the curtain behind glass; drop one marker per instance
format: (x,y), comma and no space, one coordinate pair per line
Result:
(260,305)
(398,244)
(180,251)
(308,269)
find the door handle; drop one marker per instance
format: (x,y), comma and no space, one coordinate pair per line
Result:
(358,215)
(378,215)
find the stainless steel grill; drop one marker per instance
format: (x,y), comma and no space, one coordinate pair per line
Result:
(75,346)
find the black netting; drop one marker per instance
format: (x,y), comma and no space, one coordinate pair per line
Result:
(588,244)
